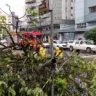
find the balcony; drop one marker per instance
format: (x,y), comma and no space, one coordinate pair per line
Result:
(30,1)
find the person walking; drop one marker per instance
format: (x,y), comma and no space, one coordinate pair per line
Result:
(42,52)
(58,52)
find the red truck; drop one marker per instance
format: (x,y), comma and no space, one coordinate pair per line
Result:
(33,37)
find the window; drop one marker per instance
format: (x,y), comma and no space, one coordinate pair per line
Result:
(71,41)
(88,43)
(81,42)
(71,0)
(71,7)
(77,42)
(81,25)
(54,42)
(92,9)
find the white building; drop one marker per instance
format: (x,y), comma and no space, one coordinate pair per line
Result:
(63,10)
(8,20)
(85,15)
(63,14)
(63,18)
(33,4)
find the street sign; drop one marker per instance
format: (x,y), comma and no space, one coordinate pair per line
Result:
(44,7)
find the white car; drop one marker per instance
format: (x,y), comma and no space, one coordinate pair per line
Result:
(3,42)
(70,44)
(83,45)
(59,44)
(46,44)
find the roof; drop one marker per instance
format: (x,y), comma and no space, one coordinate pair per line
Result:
(32,33)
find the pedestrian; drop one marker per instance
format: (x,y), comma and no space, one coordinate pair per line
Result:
(42,52)
(58,52)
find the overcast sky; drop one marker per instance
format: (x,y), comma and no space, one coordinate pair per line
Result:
(16,5)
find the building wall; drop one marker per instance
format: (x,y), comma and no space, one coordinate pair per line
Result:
(79,11)
(84,18)
(64,9)
(57,9)
(8,21)
(89,16)
(34,4)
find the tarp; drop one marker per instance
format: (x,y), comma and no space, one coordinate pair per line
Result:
(34,33)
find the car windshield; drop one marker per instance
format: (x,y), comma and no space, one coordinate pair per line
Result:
(71,41)
(88,43)
(62,42)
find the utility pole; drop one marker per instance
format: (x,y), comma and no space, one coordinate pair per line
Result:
(52,53)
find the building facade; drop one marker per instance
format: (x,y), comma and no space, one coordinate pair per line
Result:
(85,14)
(32,4)
(63,18)
(14,19)
(63,15)
(8,20)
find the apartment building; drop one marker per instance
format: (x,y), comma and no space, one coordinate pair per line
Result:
(85,16)
(63,14)
(33,4)
(63,10)
(63,18)
(8,18)
(14,19)
(7,23)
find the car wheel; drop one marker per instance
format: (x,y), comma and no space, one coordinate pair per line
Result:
(71,48)
(88,50)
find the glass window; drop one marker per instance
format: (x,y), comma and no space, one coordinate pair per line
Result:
(77,42)
(88,43)
(71,41)
(81,42)
(54,42)
(92,9)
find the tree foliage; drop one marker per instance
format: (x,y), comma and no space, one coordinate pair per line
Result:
(91,35)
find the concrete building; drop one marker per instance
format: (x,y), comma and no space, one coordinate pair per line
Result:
(8,20)
(33,4)
(14,16)
(63,18)
(85,15)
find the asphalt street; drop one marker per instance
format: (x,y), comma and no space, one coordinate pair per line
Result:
(67,52)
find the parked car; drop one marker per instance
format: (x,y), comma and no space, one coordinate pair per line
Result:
(60,44)
(46,44)
(70,44)
(3,42)
(85,45)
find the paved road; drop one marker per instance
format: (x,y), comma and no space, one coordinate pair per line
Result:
(69,53)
